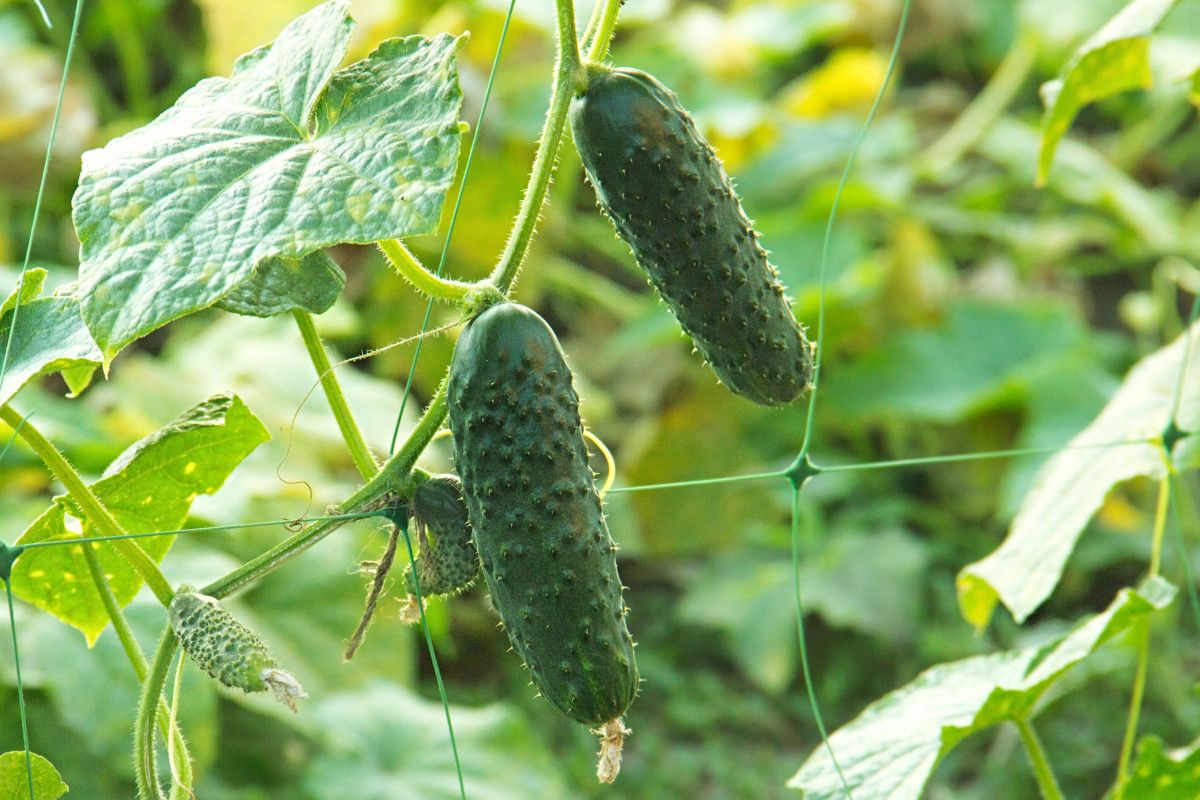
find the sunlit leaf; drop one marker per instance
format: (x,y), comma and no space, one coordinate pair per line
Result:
(1164,775)
(1114,60)
(889,751)
(49,336)
(148,488)
(14,778)
(283,158)
(1072,485)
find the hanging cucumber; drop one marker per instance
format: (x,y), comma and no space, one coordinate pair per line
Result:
(545,550)
(227,650)
(446,560)
(672,202)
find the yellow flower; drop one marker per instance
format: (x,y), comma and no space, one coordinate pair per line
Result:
(847,82)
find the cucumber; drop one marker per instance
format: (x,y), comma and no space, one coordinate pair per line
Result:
(226,649)
(672,202)
(543,545)
(446,555)
(446,560)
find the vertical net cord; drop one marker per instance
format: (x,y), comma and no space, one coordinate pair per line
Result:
(809,688)
(37,203)
(402,524)
(12,624)
(487,96)
(829,223)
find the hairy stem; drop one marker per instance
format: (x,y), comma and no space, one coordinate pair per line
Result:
(396,479)
(1042,771)
(359,452)
(88,503)
(137,659)
(143,727)
(596,42)
(569,78)
(424,281)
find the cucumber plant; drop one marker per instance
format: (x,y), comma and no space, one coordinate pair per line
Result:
(366,153)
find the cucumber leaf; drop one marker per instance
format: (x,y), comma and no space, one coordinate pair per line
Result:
(14,777)
(148,488)
(1072,485)
(890,750)
(279,285)
(49,336)
(281,159)
(1161,775)
(1115,59)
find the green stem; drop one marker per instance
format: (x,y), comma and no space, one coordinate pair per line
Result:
(424,281)
(396,478)
(1143,647)
(1037,759)
(359,452)
(131,55)
(596,42)
(569,78)
(137,659)
(985,109)
(143,727)
(88,503)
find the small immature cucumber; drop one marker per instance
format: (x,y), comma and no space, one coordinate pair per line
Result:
(446,560)
(672,202)
(226,649)
(545,550)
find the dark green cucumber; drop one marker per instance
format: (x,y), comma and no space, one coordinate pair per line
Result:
(671,200)
(545,550)
(226,649)
(446,560)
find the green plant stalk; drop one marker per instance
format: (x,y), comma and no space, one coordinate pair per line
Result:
(1042,772)
(1143,650)
(143,726)
(424,281)
(91,506)
(985,109)
(137,659)
(357,445)
(397,478)
(596,42)
(569,78)
(131,55)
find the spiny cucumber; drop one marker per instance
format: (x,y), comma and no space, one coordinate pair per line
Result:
(226,649)
(544,547)
(446,560)
(672,202)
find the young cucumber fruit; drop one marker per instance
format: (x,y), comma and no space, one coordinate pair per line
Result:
(545,550)
(446,560)
(226,649)
(672,202)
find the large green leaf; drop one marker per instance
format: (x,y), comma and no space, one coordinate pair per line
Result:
(279,285)
(1072,485)
(281,159)
(14,778)
(148,488)
(385,744)
(1159,775)
(889,751)
(1115,59)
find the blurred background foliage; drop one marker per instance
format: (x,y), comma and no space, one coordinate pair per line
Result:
(967,309)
